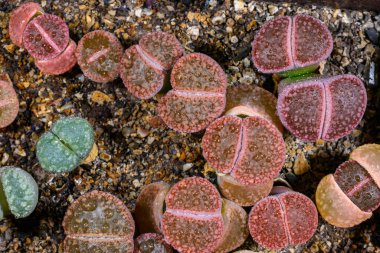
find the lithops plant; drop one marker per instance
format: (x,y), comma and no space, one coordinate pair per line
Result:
(291,45)
(45,37)
(18,193)
(192,216)
(145,66)
(99,55)
(9,104)
(246,147)
(325,108)
(282,219)
(98,222)
(198,95)
(350,195)
(151,243)
(65,145)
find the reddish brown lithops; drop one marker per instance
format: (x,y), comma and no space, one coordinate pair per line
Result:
(193,220)
(145,65)
(151,243)
(9,104)
(150,207)
(99,55)
(283,219)
(322,108)
(198,95)
(20,17)
(287,43)
(98,222)
(352,193)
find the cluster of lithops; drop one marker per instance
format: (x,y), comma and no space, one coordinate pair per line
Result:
(282,219)
(9,104)
(192,216)
(98,222)
(291,45)
(310,107)
(325,108)
(44,36)
(246,147)
(65,145)
(198,96)
(18,193)
(145,66)
(350,195)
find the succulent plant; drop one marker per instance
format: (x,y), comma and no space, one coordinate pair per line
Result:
(325,108)
(98,222)
(350,195)
(282,219)
(150,207)
(65,145)
(198,95)
(187,212)
(9,104)
(99,55)
(144,66)
(18,192)
(19,19)
(287,43)
(151,243)
(45,36)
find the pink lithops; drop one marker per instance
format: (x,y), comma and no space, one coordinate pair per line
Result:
(151,243)
(9,104)
(60,64)
(352,193)
(99,55)
(244,195)
(19,18)
(251,149)
(322,108)
(46,37)
(198,95)
(150,207)
(249,100)
(283,219)
(193,220)
(98,222)
(287,43)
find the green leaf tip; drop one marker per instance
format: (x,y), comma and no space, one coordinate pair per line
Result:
(20,192)
(65,145)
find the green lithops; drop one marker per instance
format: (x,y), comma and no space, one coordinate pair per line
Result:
(65,145)
(18,192)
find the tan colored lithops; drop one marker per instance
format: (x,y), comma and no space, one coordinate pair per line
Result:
(9,104)
(348,197)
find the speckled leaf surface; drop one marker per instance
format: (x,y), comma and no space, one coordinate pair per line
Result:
(20,190)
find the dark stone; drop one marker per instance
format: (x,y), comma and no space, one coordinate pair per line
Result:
(372,35)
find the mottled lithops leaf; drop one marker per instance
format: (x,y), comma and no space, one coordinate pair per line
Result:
(20,191)
(284,219)
(150,207)
(193,221)
(244,195)
(9,104)
(46,36)
(66,145)
(198,95)
(251,150)
(151,243)
(60,64)
(335,207)
(19,18)
(368,156)
(322,108)
(235,227)
(99,55)
(288,43)
(98,220)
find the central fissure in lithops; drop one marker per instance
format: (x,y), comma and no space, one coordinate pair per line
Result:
(284,219)
(149,60)
(65,144)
